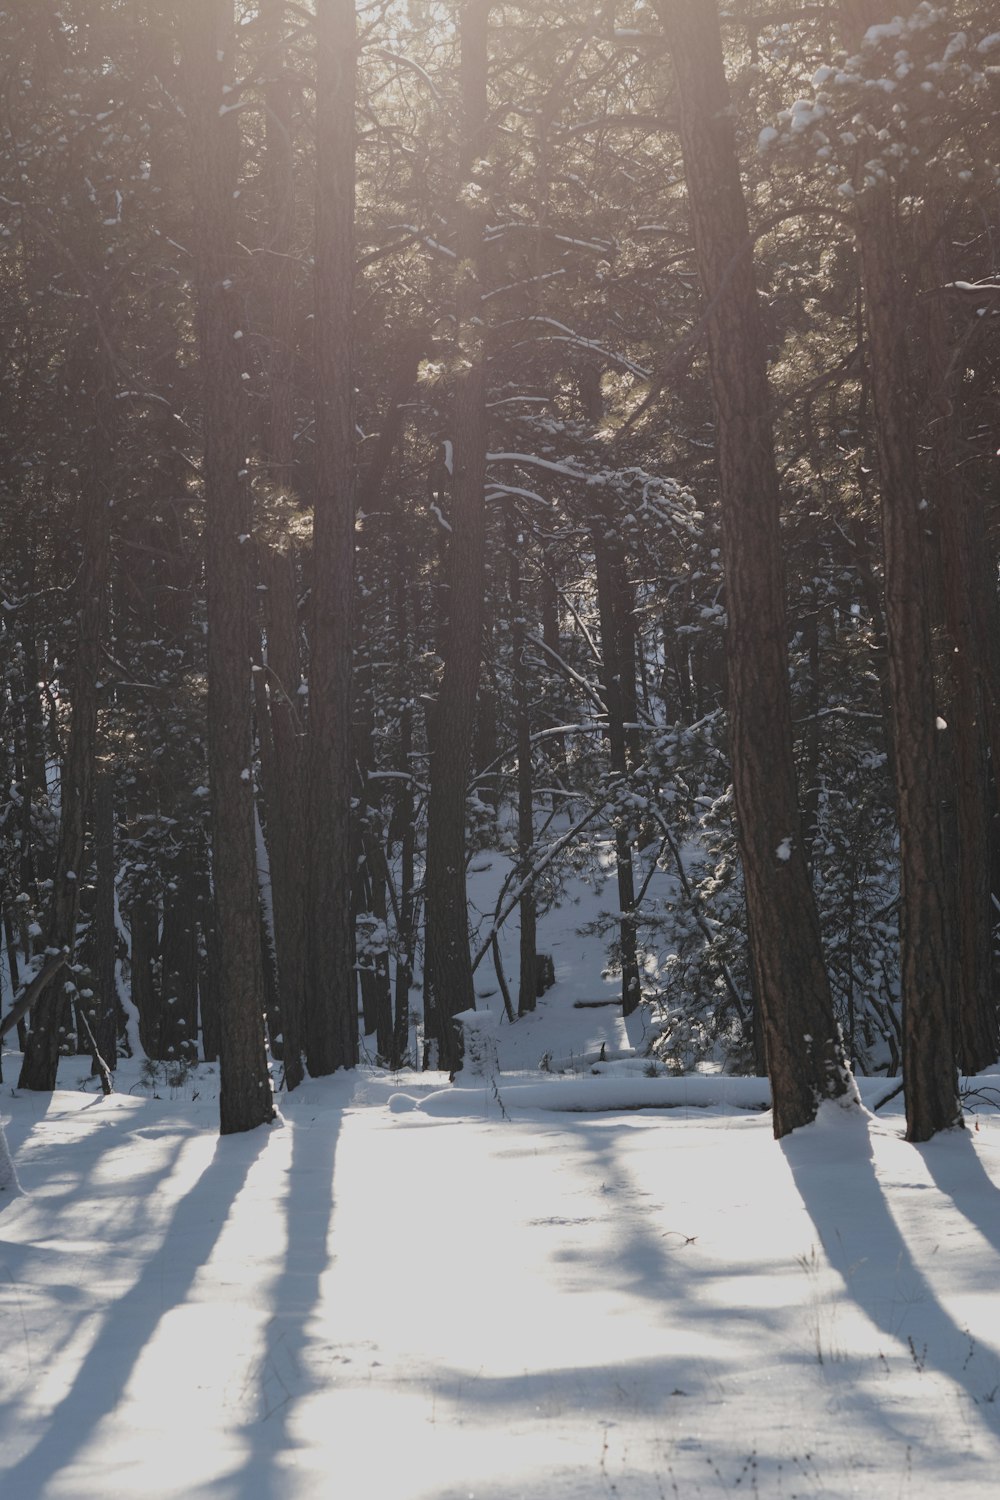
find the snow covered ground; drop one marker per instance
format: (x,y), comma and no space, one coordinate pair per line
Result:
(525,1286)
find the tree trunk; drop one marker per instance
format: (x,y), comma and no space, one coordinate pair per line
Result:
(105,938)
(928,1029)
(929,1070)
(10,942)
(404,816)
(554,745)
(208,961)
(971,920)
(527,989)
(41,1057)
(392,1030)
(179,970)
(280,707)
(805,1057)
(448,966)
(278,258)
(144,928)
(331,1012)
(282,733)
(245,1092)
(614,671)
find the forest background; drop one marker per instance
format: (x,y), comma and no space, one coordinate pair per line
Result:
(398,404)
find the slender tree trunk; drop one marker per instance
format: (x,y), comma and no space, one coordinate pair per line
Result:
(614,671)
(404,818)
(282,739)
(379,955)
(555,746)
(10,941)
(245,1092)
(32,756)
(369,896)
(392,1030)
(411,350)
(527,990)
(105,1021)
(331,987)
(448,964)
(48,1016)
(208,961)
(362,914)
(144,930)
(805,1057)
(179,969)
(809,821)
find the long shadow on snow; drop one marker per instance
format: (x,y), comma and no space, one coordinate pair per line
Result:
(958,1173)
(643,1263)
(130,1323)
(286,1372)
(65,1166)
(29,1256)
(664,1273)
(851,1228)
(19,1128)
(111,1218)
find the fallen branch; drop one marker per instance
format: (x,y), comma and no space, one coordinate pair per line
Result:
(37,986)
(886,1097)
(104,1072)
(508,1004)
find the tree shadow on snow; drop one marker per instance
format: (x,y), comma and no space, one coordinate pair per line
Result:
(957,1172)
(839,1187)
(291,1364)
(130,1322)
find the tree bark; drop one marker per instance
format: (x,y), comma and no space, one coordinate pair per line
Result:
(245,1089)
(448,966)
(805,1056)
(278,251)
(978,1038)
(554,745)
(527,989)
(614,670)
(41,1056)
(404,816)
(143,923)
(179,969)
(331,987)
(282,768)
(932,1102)
(104,940)
(929,1070)
(280,708)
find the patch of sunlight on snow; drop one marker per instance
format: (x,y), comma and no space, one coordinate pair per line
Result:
(440,1446)
(196,1463)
